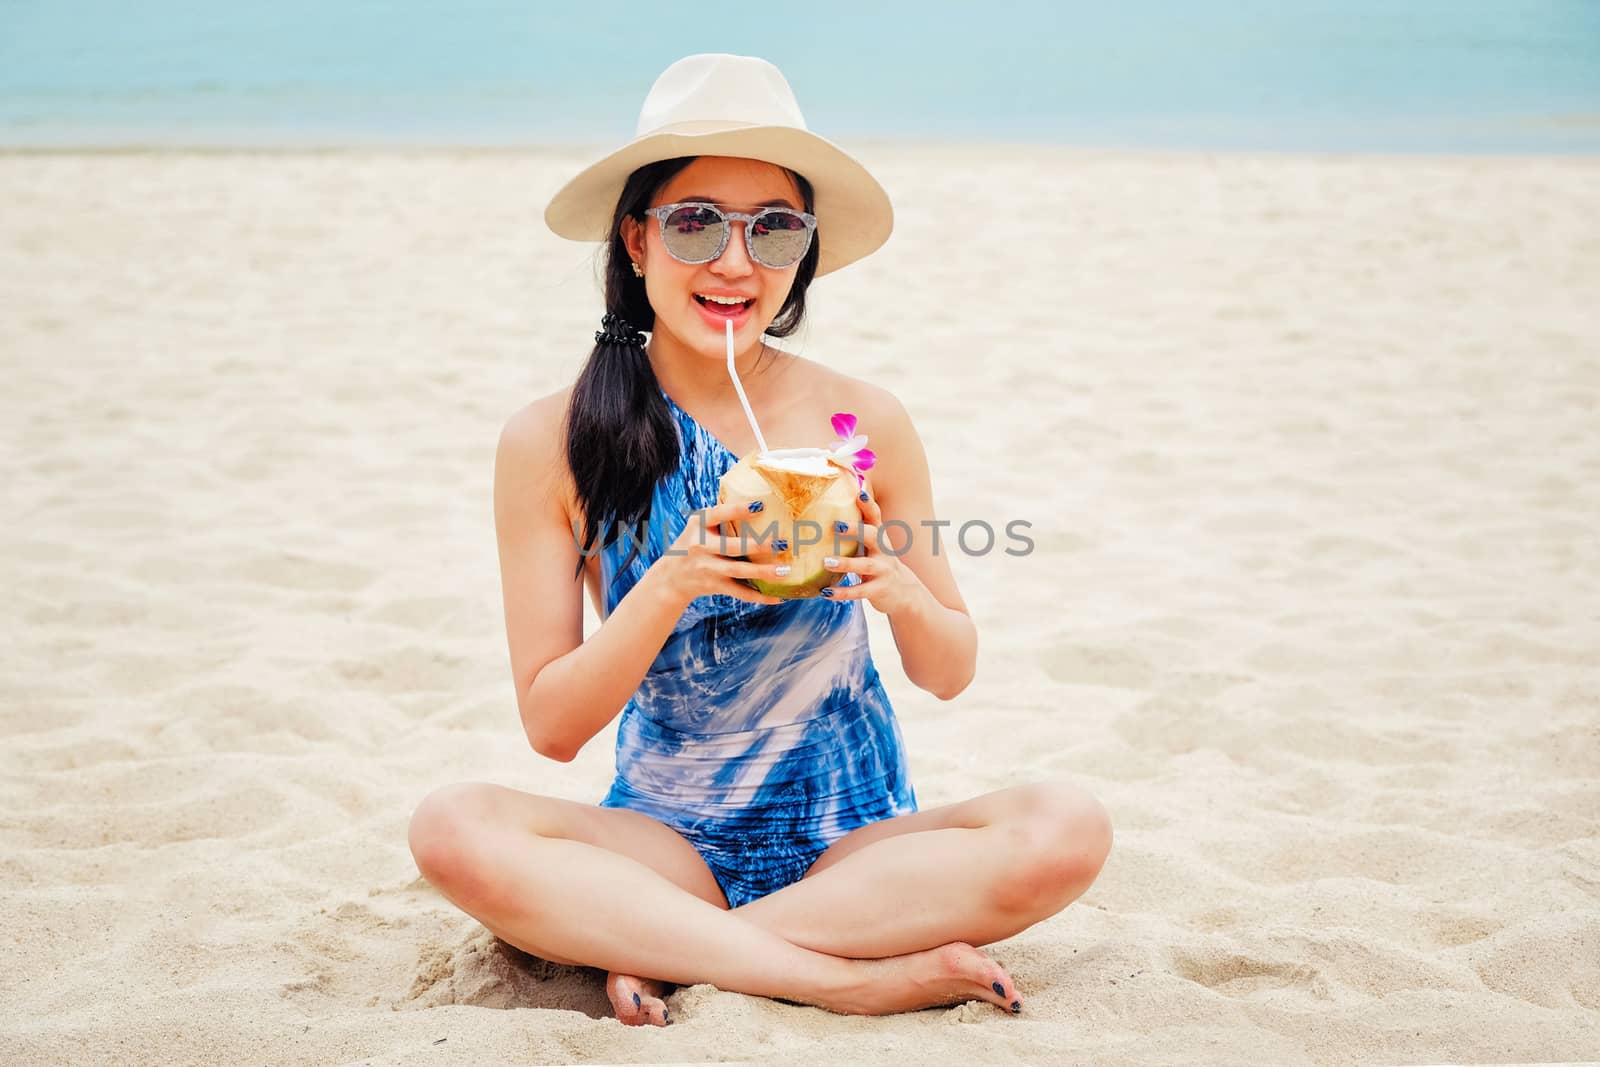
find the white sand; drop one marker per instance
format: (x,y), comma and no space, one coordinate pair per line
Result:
(1315,606)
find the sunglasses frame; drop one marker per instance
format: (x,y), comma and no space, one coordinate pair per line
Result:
(729,218)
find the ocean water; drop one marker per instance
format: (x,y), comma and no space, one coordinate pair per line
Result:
(1354,75)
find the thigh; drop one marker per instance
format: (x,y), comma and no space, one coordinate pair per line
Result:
(976,813)
(630,833)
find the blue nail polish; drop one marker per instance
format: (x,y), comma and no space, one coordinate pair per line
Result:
(840,526)
(998,988)
(864,496)
(666,1016)
(828,593)
(636,1000)
(1016,1007)
(780,545)
(757,505)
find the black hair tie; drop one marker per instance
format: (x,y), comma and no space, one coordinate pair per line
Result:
(616,330)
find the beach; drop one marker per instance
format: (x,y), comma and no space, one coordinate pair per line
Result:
(1308,450)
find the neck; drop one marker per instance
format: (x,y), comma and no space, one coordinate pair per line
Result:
(697,379)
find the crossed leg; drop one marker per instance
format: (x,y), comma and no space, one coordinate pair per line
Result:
(975,872)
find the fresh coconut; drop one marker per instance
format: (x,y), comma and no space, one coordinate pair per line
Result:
(804,492)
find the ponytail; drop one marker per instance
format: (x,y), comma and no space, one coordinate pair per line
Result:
(620,438)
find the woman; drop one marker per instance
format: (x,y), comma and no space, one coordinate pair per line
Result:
(762,834)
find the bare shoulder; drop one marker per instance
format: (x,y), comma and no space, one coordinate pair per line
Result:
(899,478)
(539,422)
(878,411)
(531,459)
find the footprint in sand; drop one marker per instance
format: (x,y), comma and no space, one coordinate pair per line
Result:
(1235,975)
(485,972)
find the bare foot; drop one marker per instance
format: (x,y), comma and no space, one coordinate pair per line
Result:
(949,974)
(637,1001)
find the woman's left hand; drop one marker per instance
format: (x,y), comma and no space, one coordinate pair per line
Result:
(886,583)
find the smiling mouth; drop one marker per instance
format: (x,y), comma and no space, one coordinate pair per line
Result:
(723,309)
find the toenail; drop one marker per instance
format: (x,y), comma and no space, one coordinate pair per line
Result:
(636,1000)
(1016,1007)
(999,989)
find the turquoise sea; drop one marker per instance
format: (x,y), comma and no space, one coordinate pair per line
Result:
(1354,75)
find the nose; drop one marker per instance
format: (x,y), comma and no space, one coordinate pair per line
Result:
(735,259)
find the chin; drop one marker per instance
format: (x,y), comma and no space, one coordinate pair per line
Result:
(713,341)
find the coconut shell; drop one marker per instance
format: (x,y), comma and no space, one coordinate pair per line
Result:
(793,500)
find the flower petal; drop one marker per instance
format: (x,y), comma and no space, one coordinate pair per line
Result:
(855,444)
(844,423)
(865,459)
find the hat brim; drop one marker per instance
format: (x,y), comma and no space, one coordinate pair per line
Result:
(854,214)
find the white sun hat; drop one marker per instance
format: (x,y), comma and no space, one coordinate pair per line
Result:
(725,105)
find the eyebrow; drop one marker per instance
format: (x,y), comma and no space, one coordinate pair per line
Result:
(780,202)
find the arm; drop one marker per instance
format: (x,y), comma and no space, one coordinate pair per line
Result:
(933,632)
(568,689)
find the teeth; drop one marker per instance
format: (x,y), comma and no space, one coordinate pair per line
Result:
(720,299)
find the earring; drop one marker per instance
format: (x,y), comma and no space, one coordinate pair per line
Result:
(637,273)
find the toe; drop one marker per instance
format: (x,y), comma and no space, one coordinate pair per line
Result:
(636,1001)
(1004,988)
(654,1012)
(989,980)
(1000,990)
(623,992)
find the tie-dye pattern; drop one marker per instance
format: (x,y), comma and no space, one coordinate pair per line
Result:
(761,733)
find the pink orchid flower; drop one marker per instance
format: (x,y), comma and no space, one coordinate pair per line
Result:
(851,449)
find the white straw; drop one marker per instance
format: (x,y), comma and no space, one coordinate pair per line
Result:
(760,441)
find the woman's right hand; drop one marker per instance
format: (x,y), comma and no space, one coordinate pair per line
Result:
(694,566)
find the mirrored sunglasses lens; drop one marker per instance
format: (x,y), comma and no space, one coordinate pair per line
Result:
(779,238)
(693,233)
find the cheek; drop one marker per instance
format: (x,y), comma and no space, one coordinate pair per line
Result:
(665,279)
(779,292)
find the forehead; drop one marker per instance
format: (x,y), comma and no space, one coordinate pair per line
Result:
(730,181)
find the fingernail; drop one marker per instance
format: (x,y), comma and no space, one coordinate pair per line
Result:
(756,505)
(781,569)
(999,989)
(830,562)
(864,497)
(666,1015)
(840,526)
(636,1000)
(780,545)
(828,593)
(1016,1007)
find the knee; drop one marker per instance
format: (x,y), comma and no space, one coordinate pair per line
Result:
(444,833)
(1060,837)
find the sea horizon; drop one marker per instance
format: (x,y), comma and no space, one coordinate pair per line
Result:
(1464,78)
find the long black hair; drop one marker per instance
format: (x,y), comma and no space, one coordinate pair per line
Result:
(621,438)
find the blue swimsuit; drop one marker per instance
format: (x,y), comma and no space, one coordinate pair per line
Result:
(761,732)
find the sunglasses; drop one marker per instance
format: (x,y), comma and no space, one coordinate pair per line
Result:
(697,233)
